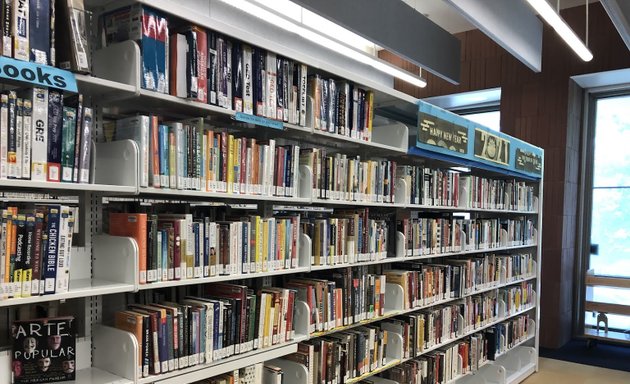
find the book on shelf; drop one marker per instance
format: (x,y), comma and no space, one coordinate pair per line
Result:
(226,320)
(44,350)
(72,50)
(150,30)
(251,374)
(35,250)
(340,298)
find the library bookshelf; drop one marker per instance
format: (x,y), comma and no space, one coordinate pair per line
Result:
(104,272)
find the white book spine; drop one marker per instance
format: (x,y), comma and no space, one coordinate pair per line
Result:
(27,134)
(61,280)
(180,62)
(19,137)
(39,135)
(248,94)
(271,85)
(20,28)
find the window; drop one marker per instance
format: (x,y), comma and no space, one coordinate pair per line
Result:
(490,119)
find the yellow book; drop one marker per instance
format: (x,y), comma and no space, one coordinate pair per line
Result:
(230,163)
(267,312)
(265,247)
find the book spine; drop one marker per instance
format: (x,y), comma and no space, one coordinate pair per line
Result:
(55,122)
(154,162)
(86,146)
(37,253)
(271,86)
(192,79)
(50,268)
(12,136)
(39,31)
(237,76)
(27,132)
(212,68)
(77,138)
(248,78)
(61,282)
(4,136)
(20,30)
(67,144)
(19,137)
(202,65)
(7,29)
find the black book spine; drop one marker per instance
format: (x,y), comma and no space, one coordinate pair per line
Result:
(212,68)
(237,71)
(191,65)
(281,97)
(12,138)
(146,345)
(55,122)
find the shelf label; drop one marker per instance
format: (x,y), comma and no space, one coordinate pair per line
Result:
(442,133)
(258,120)
(37,74)
(491,147)
(528,161)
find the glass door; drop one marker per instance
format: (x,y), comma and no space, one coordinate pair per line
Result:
(607,284)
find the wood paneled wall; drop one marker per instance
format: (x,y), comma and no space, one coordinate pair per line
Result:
(543,109)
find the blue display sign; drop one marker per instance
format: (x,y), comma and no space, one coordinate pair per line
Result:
(258,120)
(37,74)
(446,133)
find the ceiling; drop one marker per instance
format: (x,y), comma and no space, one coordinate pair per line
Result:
(451,20)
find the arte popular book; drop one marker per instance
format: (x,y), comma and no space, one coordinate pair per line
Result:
(44,350)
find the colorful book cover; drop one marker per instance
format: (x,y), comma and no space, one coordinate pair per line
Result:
(44,350)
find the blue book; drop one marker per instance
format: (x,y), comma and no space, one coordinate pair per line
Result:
(164,254)
(163,147)
(39,31)
(52,249)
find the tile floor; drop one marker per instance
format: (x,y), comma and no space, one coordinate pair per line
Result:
(563,372)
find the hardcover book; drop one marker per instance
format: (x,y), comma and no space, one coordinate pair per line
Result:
(43,350)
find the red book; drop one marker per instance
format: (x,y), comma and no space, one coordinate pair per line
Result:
(132,225)
(202,64)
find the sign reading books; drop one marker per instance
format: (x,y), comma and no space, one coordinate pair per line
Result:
(44,350)
(441,133)
(528,161)
(492,147)
(40,75)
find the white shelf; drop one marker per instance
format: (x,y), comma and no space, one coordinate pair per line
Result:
(214,368)
(320,201)
(53,186)
(97,376)
(78,288)
(178,193)
(216,279)
(362,143)
(468,209)
(95,86)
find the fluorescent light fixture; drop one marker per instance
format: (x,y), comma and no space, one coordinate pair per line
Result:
(545,10)
(290,23)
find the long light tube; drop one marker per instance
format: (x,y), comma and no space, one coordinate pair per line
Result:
(545,10)
(291,26)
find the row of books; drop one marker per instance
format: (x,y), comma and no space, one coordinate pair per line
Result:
(251,374)
(346,237)
(447,188)
(342,356)
(186,155)
(35,250)
(341,108)
(463,357)
(437,234)
(426,283)
(340,177)
(343,297)
(33,29)
(178,247)
(227,320)
(44,137)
